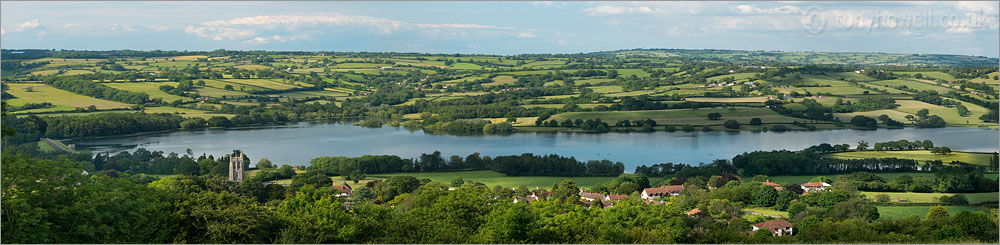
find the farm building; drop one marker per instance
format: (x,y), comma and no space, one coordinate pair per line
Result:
(814,186)
(668,190)
(342,189)
(776,227)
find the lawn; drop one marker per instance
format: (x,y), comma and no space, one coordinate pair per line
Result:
(46,147)
(898,212)
(683,116)
(491,178)
(150,88)
(767,211)
(931,197)
(982,159)
(45,93)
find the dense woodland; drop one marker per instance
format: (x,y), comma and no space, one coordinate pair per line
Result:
(54,201)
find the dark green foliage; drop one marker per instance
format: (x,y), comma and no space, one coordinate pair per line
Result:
(732,124)
(864,122)
(311,177)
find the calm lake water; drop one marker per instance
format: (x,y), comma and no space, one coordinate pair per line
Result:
(298,143)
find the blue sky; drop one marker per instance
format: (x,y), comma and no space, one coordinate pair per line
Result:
(969,28)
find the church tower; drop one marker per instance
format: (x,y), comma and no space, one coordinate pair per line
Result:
(236,167)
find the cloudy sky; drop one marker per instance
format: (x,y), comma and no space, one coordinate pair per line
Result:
(969,28)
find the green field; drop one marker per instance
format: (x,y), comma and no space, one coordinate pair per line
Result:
(491,178)
(501,80)
(62,99)
(898,212)
(46,147)
(150,88)
(264,83)
(982,159)
(931,197)
(929,74)
(950,115)
(913,85)
(184,112)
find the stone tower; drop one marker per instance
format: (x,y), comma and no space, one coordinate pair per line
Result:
(236,167)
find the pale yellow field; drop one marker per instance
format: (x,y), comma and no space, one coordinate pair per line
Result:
(46,93)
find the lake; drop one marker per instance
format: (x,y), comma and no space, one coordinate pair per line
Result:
(298,143)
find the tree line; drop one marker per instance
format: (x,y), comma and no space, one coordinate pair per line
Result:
(99,208)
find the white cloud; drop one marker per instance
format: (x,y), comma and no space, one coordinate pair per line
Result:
(619,9)
(787,9)
(542,3)
(31,24)
(985,7)
(526,35)
(219,33)
(247,27)
(959,29)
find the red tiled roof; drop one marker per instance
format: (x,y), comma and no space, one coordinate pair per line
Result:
(343,188)
(770,184)
(663,189)
(617,197)
(591,195)
(694,211)
(813,184)
(673,188)
(773,224)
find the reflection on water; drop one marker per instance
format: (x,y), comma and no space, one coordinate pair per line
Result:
(298,143)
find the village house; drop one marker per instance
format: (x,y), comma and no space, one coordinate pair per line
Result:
(776,227)
(342,190)
(696,213)
(590,196)
(615,197)
(667,190)
(775,185)
(814,186)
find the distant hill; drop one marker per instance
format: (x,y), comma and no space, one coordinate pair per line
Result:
(719,55)
(764,57)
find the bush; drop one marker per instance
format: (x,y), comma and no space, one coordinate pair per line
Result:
(756,121)
(957,199)
(882,198)
(732,124)
(714,116)
(863,121)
